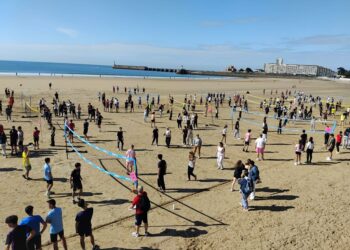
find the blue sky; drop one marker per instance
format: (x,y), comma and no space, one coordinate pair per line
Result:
(204,34)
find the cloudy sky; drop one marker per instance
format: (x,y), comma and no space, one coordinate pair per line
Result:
(204,34)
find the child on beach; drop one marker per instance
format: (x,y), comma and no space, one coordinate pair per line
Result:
(298,150)
(224,133)
(247,140)
(191,165)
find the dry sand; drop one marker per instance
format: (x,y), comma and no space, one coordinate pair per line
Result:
(297,207)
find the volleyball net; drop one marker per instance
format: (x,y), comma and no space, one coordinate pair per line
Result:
(133,174)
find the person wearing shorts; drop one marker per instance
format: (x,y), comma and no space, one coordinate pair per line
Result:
(48,177)
(140,215)
(260,147)
(54,218)
(26,163)
(36,134)
(75,181)
(83,224)
(247,141)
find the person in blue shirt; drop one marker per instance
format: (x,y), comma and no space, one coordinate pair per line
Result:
(34,221)
(54,218)
(18,237)
(253,175)
(245,189)
(48,177)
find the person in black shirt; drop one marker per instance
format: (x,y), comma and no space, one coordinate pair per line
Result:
(75,181)
(120,139)
(86,129)
(53,134)
(13,140)
(155,136)
(303,139)
(161,172)
(17,238)
(83,224)
(237,174)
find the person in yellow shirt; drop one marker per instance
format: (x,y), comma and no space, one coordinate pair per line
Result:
(26,163)
(342,120)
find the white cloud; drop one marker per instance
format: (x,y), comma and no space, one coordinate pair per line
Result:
(68,32)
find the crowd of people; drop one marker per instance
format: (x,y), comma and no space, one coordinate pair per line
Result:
(26,234)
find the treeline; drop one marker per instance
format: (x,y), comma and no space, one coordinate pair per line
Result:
(343,72)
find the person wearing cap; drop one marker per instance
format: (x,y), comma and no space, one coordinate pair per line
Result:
(83,225)
(54,218)
(18,237)
(141,204)
(34,221)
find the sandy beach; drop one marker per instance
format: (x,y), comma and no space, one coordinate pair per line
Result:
(297,207)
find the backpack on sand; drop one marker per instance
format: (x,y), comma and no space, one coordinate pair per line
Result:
(144,204)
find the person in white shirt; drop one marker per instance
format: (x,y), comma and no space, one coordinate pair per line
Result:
(260,147)
(310,145)
(167,135)
(224,133)
(191,165)
(220,155)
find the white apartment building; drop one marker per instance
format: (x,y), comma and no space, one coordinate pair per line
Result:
(297,69)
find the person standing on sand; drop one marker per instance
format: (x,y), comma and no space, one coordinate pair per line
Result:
(34,222)
(236,133)
(331,146)
(120,139)
(13,140)
(19,236)
(99,121)
(245,190)
(220,154)
(238,170)
(310,145)
(53,134)
(153,119)
(155,136)
(260,147)
(48,177)
(83,226)
(179,121)
(197,142)
(86,129)
(224,134)
(167,137)
(131,158)
(162,166)
(247,141)
(54,218)
(338,140)
(191,165)
(303,140)
(76,182)
(254,177)
(142,205)
(36,134)
(26,163)
(20,139)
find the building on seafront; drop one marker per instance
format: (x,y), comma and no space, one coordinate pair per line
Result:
(297,69)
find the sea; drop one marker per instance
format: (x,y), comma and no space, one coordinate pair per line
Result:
(26,68)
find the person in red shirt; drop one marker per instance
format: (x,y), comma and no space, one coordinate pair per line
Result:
(338,140)
(36,134)
(71,126)
(141,204)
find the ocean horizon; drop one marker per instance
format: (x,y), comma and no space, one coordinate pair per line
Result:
(29,68)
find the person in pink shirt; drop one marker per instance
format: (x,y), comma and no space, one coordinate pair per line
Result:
(131,157)
(247,137)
